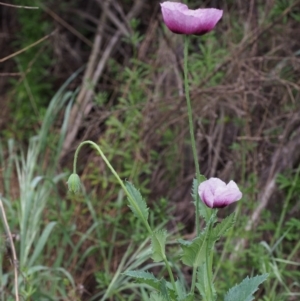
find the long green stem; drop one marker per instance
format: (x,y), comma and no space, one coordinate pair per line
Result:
(170,274)
(191,125)
(130,199)
(193,142)
(189,106)
(227,241)
(209,274)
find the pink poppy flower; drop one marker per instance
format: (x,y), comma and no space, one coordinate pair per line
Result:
(214,193)
(180,19)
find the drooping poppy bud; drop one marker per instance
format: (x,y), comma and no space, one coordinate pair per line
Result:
(182,20)
(214,193)
(74,182)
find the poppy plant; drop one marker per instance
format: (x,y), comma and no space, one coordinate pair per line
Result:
(214,193)
(182,20)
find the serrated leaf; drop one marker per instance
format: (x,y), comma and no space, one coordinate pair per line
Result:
(164,291)
(184,242)
(189,297)
(180,289)
(139,207)
(158,243)
(144,277)
(221,228)
(201,179)
(195,252)
(245,290)
(204,211)
(157,297)
(181,292)
(203,282)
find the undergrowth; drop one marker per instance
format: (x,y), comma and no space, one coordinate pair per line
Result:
(74,247)
(33,89)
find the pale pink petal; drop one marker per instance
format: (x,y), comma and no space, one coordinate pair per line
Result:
(215,184)
(227,196)
(173,15)
(207,190)
(179,19)
(207,197)
(216,194)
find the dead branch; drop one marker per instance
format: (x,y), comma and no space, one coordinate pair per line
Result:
(92,75)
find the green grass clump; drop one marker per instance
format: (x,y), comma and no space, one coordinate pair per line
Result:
(36,187)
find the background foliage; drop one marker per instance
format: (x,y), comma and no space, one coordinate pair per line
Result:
(113,68)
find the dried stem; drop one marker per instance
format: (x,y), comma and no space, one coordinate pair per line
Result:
(27,47)
(15,260)
(19,6)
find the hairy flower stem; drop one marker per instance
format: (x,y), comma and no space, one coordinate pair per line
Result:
(191,125)
(198,175)
(208,263)
(130,199)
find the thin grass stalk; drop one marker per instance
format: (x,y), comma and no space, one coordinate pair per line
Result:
(98,232)
(291,255)
(285,205)
(12,246)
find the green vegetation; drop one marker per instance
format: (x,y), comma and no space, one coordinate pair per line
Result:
(32,91)
(245,94)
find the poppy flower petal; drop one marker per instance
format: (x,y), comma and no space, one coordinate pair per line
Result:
(207,190)
(182,20)
(216,194)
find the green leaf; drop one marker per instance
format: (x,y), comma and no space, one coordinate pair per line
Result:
(144,277)
(180,290)
(41,243)
(139,208)
(158,242)
(204,211)
(157,297)
(164,287)
(213,234)
(184,242)
(189,297)
(194,252)
(203,282)
(164,291)
(221,228)
(245,290)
